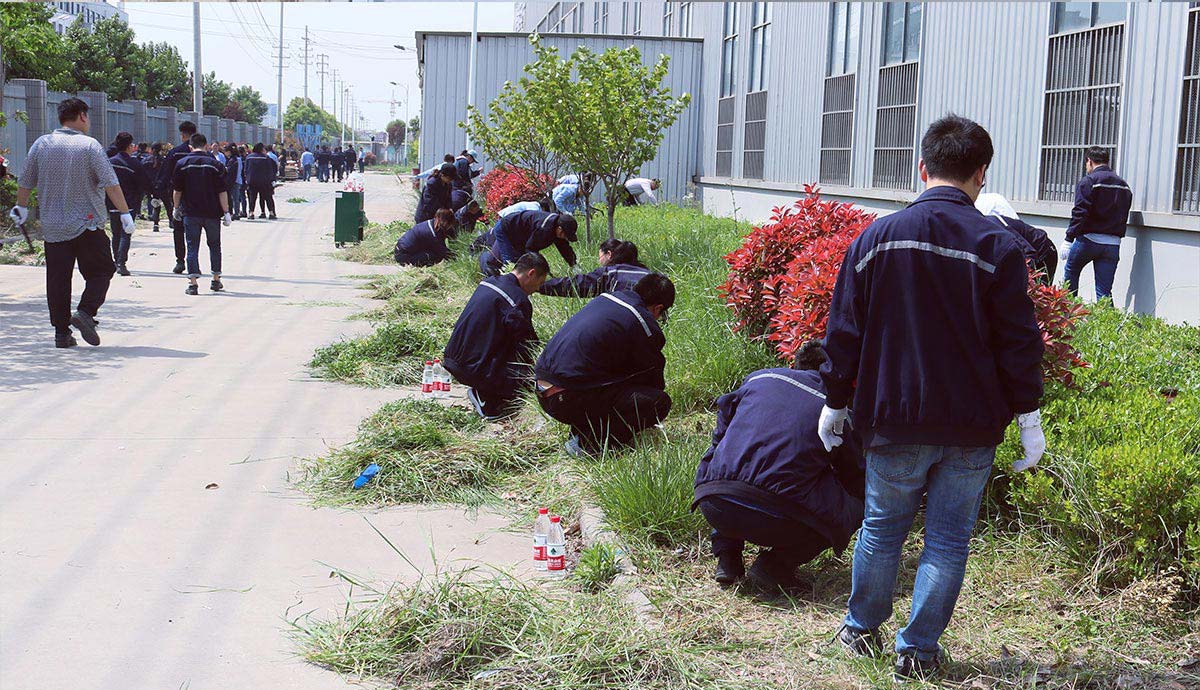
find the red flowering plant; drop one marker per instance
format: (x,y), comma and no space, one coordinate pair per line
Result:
(503,186)
(1058,314)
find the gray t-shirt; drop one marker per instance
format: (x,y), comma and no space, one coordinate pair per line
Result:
(69,171)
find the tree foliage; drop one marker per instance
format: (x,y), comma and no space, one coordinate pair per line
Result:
(249,102)
(302,111)
(395,131)
(31,48)
(101,58)
(164,78)
(216,93)
(511,133)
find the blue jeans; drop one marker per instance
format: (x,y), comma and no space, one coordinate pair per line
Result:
(1103,256)
(212,231)
(322,173)
(952,479)
(304,172)
(236,200)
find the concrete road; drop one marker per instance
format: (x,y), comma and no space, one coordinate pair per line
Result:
(119,568)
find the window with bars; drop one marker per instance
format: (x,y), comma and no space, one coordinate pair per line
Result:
(1083,95)
(755,141)
(604,17)
(837,110)
(637,19)
(896,106)
(685,19)
(760,43)
(1187,163)
(668,15)
(596,18)
(725,107)
(729,50)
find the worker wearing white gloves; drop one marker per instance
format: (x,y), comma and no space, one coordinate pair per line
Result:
(199,184)
(642,189)
(932,336)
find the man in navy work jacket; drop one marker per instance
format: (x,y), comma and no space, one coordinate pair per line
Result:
(1036,245)
(134,182)
(323,157)
(260,176)
(529,231)
(462,166)
(203,204)
(1102,201)
(602,372)
(932,334)
(424,244)
(166,176)
(490,347)
(767,478)
(466,217)
(619,270)
(436,194)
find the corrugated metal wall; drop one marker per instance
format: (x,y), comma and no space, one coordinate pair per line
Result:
(501,58)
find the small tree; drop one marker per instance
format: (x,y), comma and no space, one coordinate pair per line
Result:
(602,113)
(511,135)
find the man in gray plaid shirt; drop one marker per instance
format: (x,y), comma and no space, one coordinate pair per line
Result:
(72,176)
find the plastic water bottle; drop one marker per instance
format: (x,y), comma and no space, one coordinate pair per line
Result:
(541,530)
(556,548)
(439,375)
(427,380)
(446,379)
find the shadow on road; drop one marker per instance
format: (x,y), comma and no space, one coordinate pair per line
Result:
(28,357)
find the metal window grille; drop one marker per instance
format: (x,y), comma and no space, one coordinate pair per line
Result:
(895,127)
(1082,106)
(837,130)
(596,18)
(1187,164)
(604,17)
(637,19)
(685,19)
(668,15)
(755,141)
(760,44)
(725,108)
(729,50)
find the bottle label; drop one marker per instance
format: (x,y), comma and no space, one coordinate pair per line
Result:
(556,556)
(426,388)
(539,548)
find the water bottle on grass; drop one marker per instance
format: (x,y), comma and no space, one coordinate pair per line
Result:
(556,548)
(541,530)
(427,380)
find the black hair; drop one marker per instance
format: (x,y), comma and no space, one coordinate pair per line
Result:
(187,127)
(444,218)
(448,158)
(143,146)
(157,147)
(625,253)
(448,170)
(810,356)
(70,109)
(197,140)
(474,209)
(122,142)
(954,147)
(464,152)
(1097,155)
(567,222)
(532,260)
(259,148)
(610,245)
(656,288)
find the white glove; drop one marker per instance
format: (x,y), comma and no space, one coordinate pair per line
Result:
(830,426)
(127,222)
(1064,249)
(1032,440)
(577,270)
(19,214)
(177,214)
(226,220)
(155,203)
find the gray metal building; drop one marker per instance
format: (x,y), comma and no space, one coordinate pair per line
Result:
(838,94)
(444,57)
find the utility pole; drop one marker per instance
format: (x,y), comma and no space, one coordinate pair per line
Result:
(305,61)
(197,72)
(279,110)
(322,70)
(337,94)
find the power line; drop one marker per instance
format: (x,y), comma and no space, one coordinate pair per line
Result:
(286,28)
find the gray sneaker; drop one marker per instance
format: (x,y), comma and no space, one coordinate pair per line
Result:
(87,327)
(909,667)
(866,644)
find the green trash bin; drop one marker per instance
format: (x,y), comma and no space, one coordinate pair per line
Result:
(348,218)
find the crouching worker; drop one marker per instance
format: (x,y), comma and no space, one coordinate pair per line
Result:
(619,270)
(424,244)
(490,348)
(768,480)
(466,217)
(602,372)
(1035,244)
(529,231)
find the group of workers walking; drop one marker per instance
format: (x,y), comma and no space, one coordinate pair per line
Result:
(331,166)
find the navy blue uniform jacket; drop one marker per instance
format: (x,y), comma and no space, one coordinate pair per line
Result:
(201,178)
(1102,201)
(613,339)
(436,195)
(323,157)
(465,173)
(232,163)
(166,172)
(494,330)
(765,452)
(610,278)
(529,231)
(134,179)
(1036,246)
(421,239)
(260,172)
(932,318)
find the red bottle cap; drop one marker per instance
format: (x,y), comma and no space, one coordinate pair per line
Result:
(543,511)
(555,518)
(429,362)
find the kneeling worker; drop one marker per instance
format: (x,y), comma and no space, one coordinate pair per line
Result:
(529,231)
(489,350)
(602,372)
(424,244)
(619,270)
(767,479)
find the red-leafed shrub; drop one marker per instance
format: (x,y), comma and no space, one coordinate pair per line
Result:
(1058,314)
(504,186)
(799,299)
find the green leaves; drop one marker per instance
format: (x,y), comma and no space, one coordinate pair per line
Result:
(304,111)
(32,50)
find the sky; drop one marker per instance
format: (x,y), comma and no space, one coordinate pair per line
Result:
(239,41)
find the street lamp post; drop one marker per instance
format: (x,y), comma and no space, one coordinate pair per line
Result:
(407,129)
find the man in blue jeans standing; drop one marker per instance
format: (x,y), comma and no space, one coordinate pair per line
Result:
(1102,201)
(203,204)
(932,334)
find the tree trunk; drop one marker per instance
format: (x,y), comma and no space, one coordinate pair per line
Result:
(587,215)
(612,213)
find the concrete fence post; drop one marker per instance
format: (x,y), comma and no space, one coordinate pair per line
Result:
(171,122)
(141,121)
(98,114)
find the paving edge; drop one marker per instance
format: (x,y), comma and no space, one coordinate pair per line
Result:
(592,530)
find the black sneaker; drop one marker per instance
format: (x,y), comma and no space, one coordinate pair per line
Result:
(87,327)
(64,340)
(179,267)
(772,576)
(216,285)
(192,290)
(866,644)
(730,568)
(121,270)
(909,667)
(273,216)
(155,227)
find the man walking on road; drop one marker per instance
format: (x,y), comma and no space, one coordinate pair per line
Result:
(134,182)
(1102,201)
(306,164)
(199,184)
(166,173)
(69,170)
(932,334)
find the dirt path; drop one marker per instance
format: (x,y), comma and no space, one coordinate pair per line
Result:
(120,569)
